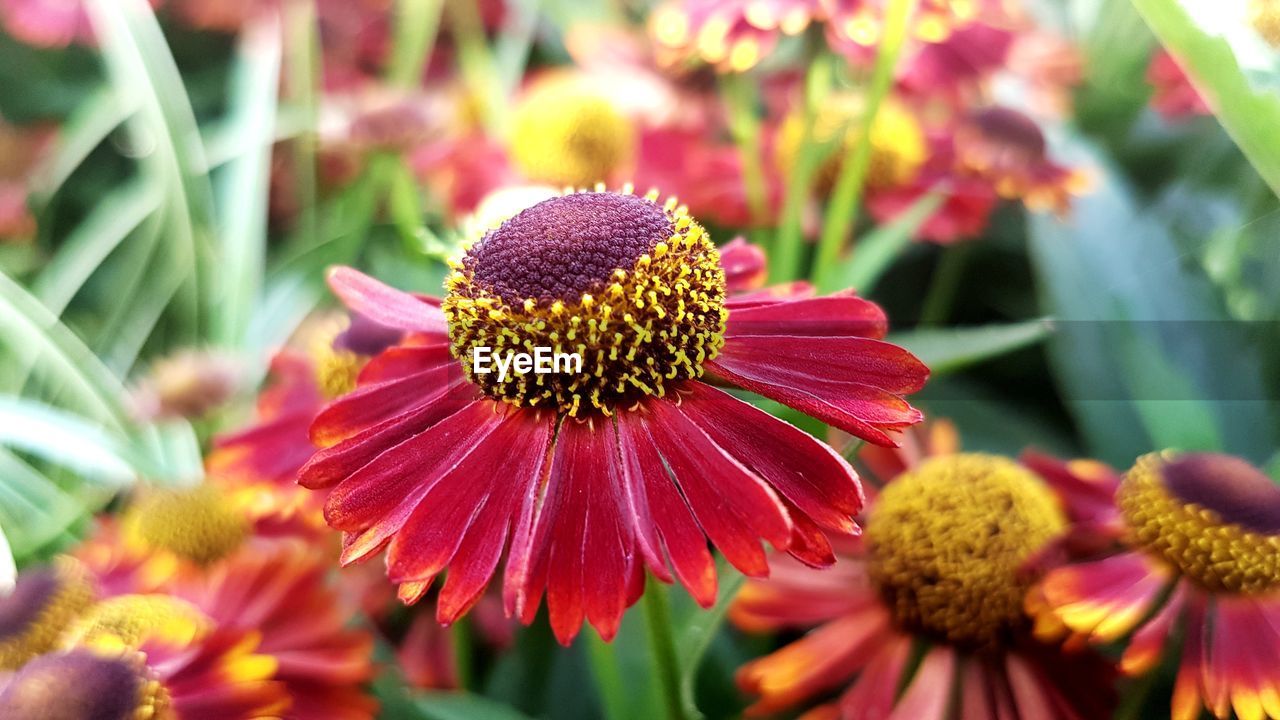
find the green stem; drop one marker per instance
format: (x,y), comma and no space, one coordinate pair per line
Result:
(463,650)
(742,99)
(842,211)
(608,675)
(302,81)
(477,63)
(666,663)
(417,22)
(784,260)
(946,282)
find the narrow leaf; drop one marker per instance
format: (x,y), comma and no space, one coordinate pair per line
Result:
(946,350)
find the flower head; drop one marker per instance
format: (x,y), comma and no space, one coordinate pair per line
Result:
(188,384)
(1007,149)
(564,132)
(940,568)
(1194,548)
(34,614)
(196,525)
(585,480)
(86,684)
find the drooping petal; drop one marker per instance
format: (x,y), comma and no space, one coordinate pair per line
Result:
(852,383)
(463,521)
(840,314)
(336,462)
(744,265)
(369,405)
(816,663)
(874,693)
(1147,645)
(805,471)
(795,596)
(1105,598)
(582,548)
(386,305)
(929,694)
(380,496)
(678,531)
(732,504)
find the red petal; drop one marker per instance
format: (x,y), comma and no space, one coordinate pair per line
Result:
(381,494)
(332,464)
(384,304)
(929,694)
(839,315)
(403,360)
(744,265)
(369,405)
(463,521)
(683,539)
(850,383)
(732,504)
(805,471)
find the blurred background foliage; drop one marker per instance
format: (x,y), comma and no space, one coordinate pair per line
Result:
(1148,317)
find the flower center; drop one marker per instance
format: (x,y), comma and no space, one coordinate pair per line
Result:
(86,684)
(564,133)
(635,289)
(34,615)
(198,524)
(898,146)
(1213,517)
(131,620)
(335,368)
(947,541)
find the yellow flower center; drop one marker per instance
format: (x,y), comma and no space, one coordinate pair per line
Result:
(633,288)
(335,369)
(130,620)
(198,524)
(1215,518)
(86,684)
(34,616)
(947,540)
(565,134)
(898,146)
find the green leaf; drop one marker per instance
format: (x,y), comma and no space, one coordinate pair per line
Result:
(462,706)
(242,183)
(83,250)
(34,335)
(876,251)
(97,115)
(34,509)
(946,350)
(8,568)
(1249,114)
(66,440)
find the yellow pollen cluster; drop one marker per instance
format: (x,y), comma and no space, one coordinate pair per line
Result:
(335,370)
(197,524)
(947,540)
(1218,555)
(898,146)
(71,595)
(566,134)
(647,327)
(130,620)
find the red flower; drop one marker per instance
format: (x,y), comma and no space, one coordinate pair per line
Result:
(47,23)
(585,480)
(938,572)
(1190,547)
(1173,96)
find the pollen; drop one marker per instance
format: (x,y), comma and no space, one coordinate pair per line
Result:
(130,620)
(1215,518)
(565,133)
(948,539)
(198,524)
(633,287)
(898,146)
(34,616)
(335,369)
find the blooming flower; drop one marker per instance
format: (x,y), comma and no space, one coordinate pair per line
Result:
(585,480)
(41,604)
(939,568)
(1194,551)
(564,132)
(189,383)
(1006,148)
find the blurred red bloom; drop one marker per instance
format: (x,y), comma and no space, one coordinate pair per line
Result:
(587,480)
(1184,545)
(1173,96)
(938,572)
(47,23)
